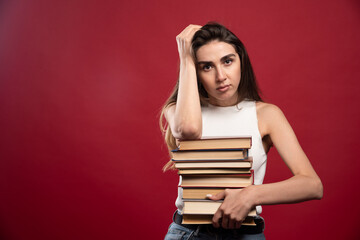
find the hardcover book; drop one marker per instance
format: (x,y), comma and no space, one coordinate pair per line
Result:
(209,155)
(218,180)
(216,143)
(245,163)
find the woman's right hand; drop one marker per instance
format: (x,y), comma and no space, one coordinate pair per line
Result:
(184,41)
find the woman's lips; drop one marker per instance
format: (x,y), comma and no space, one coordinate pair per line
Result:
(223,89)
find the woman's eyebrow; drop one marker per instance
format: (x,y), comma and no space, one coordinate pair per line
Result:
(227,56)
(222,59)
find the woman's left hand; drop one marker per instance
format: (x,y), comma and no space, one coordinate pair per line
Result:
(235,208)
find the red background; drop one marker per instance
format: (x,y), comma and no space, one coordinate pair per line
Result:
(81,86)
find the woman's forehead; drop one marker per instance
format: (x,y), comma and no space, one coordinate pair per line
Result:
(214,50)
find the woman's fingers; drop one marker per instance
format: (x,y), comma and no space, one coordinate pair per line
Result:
(232,223)
(233,210)
(216,220)
(238,224)
(229,222)
(225,222)
(184,40)
(189,29)
(188,33)
(218,196)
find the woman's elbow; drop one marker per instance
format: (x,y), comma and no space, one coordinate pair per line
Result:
(319,189)
(189,132)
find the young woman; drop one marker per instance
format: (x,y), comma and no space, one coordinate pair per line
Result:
(217,95)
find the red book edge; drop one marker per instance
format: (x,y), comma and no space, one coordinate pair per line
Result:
(215,138)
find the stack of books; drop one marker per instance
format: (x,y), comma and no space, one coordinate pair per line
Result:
(209,166)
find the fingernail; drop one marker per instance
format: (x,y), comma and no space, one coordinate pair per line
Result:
(208,195)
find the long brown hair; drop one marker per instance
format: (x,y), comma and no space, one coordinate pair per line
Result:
(248,88)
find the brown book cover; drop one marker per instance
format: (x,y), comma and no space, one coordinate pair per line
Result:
(209,155)
(216,143)
(200,193)
(218,180)
(246,163)
(205,207)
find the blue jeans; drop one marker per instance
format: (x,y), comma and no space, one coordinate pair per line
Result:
(179,232)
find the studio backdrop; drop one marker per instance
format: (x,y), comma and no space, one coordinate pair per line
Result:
(82,84)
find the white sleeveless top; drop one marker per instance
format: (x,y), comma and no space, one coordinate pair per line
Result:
(234,121)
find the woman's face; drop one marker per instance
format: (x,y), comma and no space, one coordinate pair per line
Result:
(218,68)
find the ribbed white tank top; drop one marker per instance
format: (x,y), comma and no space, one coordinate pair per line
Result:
(234,121)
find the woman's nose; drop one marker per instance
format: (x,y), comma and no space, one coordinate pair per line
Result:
(220,75)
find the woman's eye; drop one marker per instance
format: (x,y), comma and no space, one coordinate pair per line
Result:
(206,67)
(228,61)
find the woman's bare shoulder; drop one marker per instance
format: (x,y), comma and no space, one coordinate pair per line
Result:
(268,114)
(267,109)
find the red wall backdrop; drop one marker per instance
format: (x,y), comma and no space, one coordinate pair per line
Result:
(81,86)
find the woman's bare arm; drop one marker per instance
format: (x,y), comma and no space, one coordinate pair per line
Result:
(184,117)
(304,185)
